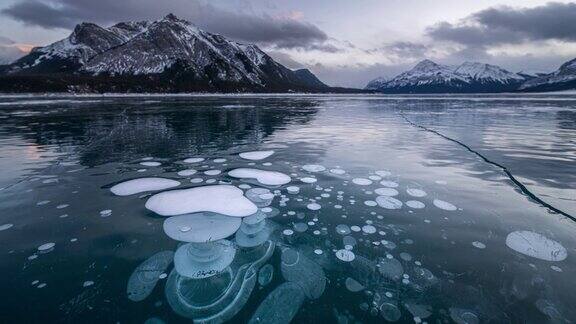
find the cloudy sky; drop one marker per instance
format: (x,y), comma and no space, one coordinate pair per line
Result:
(345,42)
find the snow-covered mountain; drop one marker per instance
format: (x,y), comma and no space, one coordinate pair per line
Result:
(469,77)
(170,54)
(562,79)
(376,83)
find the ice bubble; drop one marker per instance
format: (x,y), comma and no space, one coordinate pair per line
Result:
(479,245)
(390,312)
(221,199)
(389,184)
(391,269)
(288,232)
(536,245)
(463,316)
(194,160)
(293,190)
(196,180)
(219,160)
(46,247)
(300,227)
(203,260)
(187,172)
(370,203)
(383,173)
(343,229)
(349,242)
(314,168)
(444,205)
(201,227)
(105,213)
(318,251)
(306,273)
(313,206)
(388,202)
(280,306)
(5,227)
(212,172)
(262,197)
(368,229)
(144,278)
(375,178)
(362,181)
(353,285)
(337,171)
(87,284)
(265,275)
(136,186)
(253,231)
(151,164)
(256,155)
(355,228)
(418,193)
(269,178)
(405,256)
(308,180)
(62,206)
(345,255)
(386,192)
(415,204)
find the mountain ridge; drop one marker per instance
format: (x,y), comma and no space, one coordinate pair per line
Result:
(172,53)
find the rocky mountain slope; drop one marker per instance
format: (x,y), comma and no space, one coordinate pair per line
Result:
(168,55)
(562,79)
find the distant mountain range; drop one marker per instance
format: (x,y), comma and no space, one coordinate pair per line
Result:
(168,55)
(472,77)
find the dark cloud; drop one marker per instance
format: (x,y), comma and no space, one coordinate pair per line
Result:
(404,49)
(8,51)
(262,29)
(508,25)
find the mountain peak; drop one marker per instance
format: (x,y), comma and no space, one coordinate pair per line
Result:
(426,64)
(172,17)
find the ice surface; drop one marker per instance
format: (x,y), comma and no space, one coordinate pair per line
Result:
(201,227)
(536,245)
(256,155)
(444,205)
(269,178)
(388,202)
(135,186)
(144,278)
(222,199)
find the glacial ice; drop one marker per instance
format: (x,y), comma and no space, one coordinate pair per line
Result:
(136,186)
(222,199)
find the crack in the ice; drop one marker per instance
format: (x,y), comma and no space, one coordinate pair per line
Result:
(504,169)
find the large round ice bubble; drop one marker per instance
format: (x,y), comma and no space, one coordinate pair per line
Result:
(268,178)
(536,245)
(136,186)
(201,227)
(222,199)
(256,155)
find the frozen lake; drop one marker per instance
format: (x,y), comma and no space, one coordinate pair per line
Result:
(335,209)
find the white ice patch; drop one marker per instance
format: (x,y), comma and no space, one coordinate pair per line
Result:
(362,181)
(187,173)
(345,255)
(212,172)
(194,160)
(444,205)
(5,227)
(151,164)
(415,204)
(314,168)
(46,246)
(388,202)
(536,245)
(337,171)
(135,186)
(418,193)
(269,178)
(308,180)
(383,173)
(313,206)
(389,184)
(256,155)
(221,199)
(390,192)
